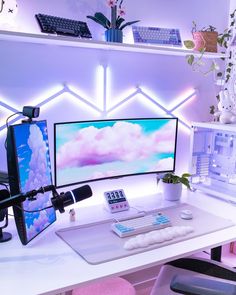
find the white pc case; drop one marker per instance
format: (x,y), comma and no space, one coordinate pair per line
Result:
(213,159)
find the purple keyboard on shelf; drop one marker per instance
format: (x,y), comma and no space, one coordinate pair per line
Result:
(158,36)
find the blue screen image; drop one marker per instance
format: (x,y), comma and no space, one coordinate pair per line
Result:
(34,170)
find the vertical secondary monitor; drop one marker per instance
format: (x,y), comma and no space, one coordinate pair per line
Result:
(29,168)
(94,150)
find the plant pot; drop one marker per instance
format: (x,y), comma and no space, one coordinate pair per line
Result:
(172,191)
(207,40)
(114,35)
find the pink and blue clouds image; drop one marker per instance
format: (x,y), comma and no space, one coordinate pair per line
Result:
(94,150)
(34,168)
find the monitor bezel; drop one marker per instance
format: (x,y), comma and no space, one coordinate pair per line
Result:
(15,186)
(116,176)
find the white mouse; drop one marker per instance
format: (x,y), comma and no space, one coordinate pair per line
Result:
(186,214)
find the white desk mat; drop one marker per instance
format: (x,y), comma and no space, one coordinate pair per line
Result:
(97,243)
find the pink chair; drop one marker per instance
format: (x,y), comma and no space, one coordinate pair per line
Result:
(110,286)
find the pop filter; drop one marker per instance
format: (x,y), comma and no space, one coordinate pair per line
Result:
(4,236)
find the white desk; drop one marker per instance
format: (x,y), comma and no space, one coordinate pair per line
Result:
(48,266)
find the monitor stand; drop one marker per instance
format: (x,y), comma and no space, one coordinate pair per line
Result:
(5,236)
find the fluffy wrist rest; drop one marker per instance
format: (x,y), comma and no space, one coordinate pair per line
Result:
(191,285)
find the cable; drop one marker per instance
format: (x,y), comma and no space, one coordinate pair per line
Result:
(10,117)
(3,184)
(5,144)
(139,211)
(34,211)
(231,202)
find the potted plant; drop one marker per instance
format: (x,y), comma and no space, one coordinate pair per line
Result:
(205,40)
(117,23)
(223,79)
(172,185)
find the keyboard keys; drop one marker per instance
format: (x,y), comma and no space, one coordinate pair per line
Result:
(140,224)
(62,26)
(155,35)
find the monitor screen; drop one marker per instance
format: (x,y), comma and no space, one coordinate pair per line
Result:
(29,168)
(94,150)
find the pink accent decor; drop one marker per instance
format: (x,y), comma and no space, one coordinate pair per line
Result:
(110,286)
(205,40)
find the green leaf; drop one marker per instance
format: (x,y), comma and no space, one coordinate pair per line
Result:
(194,26)
(227,78)
(101,19)
(119,21)
(172,178)
(212,110)
(214,66)
(190,59)
(186,175)
(129,24)
(185,181)
(189,44)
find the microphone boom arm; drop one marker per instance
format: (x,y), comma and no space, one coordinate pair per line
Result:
(59,201)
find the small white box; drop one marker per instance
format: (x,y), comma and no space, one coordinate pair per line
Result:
(116,201)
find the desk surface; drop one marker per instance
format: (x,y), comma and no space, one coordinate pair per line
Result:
(49,266)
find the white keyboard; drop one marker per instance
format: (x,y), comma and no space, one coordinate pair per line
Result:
(155,35)
(157,237)
(140,224)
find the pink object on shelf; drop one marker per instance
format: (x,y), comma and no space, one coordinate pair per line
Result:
(110,286)
(232,247)
(205,40)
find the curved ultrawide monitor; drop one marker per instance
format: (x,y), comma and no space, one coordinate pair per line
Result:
(94,150)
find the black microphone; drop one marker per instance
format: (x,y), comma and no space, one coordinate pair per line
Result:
(59,201)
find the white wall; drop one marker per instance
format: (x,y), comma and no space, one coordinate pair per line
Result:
(30,73)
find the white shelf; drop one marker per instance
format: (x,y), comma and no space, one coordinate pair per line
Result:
(91,44)
(215,126)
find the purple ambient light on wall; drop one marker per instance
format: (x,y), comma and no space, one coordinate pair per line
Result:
(103,86)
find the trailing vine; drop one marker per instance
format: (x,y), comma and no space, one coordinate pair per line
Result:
(224,40)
